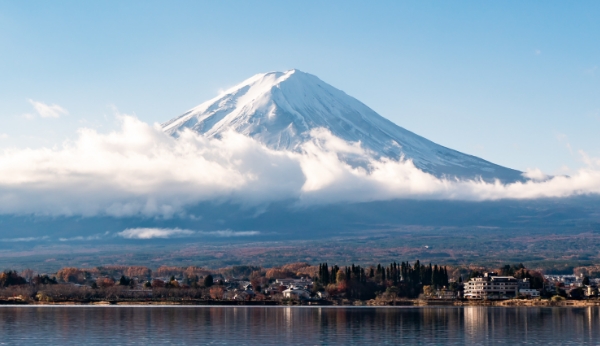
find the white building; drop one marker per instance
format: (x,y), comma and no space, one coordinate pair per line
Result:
(491,286)
(296,293)
(590,291)
(322,295)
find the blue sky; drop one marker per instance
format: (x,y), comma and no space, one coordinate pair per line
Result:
(515,83)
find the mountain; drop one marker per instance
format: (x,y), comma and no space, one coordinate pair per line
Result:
(280,109)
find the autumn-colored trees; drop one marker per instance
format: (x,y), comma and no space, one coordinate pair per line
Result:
(292,270)
(278,273)
(105,282)
(192,271)
(28,274)
(166,271)
(139,272)
(157,283)
(536,279)
(73,275)
(216,292)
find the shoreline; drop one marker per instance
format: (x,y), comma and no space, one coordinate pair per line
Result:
(415,303)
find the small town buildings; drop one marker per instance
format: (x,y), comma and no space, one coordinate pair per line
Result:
(529,293)
(566,280)
(524,284)
(491,286)
(446,293)
(302,282)
(272,290)
(244,295)
(550,287)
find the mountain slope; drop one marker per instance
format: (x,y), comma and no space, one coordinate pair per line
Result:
(280,108)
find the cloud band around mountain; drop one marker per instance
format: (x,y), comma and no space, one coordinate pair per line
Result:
(141,171)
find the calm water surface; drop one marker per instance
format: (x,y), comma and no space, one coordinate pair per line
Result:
(298,325)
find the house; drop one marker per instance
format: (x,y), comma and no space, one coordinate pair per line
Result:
(491,286)
(296,293)
(590,291)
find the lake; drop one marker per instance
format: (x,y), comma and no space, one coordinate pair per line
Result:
(102,325)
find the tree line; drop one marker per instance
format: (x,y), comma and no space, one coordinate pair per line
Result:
(404,279)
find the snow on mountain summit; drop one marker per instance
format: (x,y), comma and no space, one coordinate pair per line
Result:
(280,109)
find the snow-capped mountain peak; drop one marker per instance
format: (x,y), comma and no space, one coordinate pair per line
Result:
(280,109)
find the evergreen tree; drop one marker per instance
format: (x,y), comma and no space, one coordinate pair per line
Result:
(208,280)
(445,282)
(124,281)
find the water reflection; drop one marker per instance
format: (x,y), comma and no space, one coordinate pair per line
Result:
(292,325)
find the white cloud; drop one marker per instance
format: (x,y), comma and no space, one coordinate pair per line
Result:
(535,174)
(150,233)
(24,239)
(46,111)
(229,233)
(88,238)
(4,136)
(589,160)
(139,170)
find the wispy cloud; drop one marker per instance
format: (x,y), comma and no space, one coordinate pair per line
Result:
(164,233)
(151,233)
(590,161)
(229,233)
(46,110)
(535,174)
(88,238)
(3,136)
(561,137)
(24,239)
